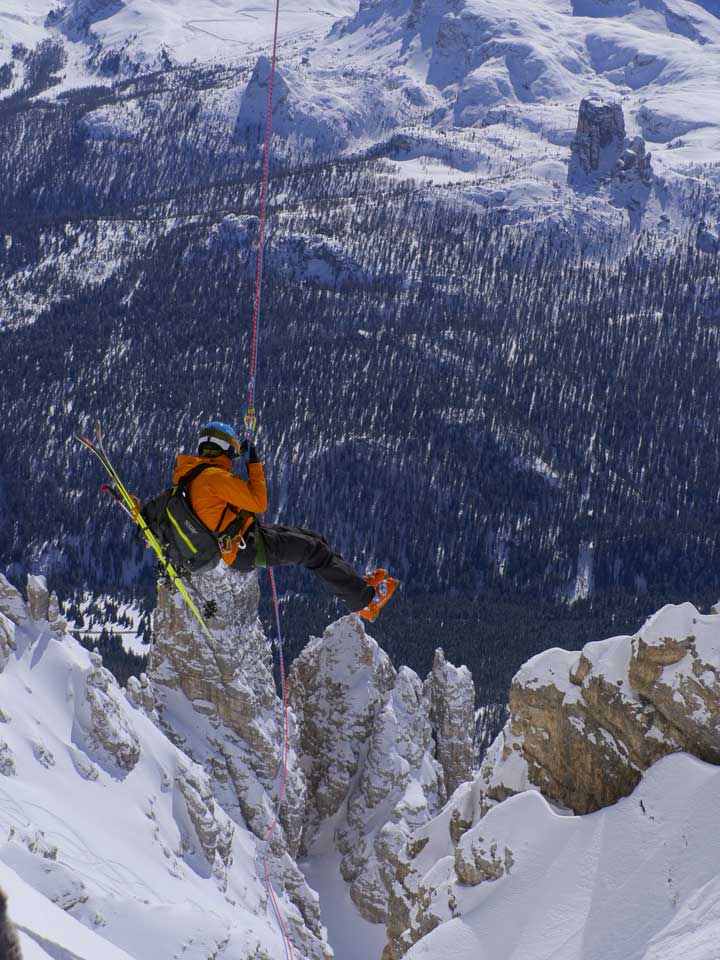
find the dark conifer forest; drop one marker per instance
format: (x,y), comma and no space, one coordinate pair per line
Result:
(482,405)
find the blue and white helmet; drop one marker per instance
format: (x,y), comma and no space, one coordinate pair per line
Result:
(218,437)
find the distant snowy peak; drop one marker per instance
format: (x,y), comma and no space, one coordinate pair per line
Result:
(189,31)
(303,108)
(79,16)
(663,60)
(457,94)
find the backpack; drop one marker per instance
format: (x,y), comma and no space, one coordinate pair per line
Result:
(187,542)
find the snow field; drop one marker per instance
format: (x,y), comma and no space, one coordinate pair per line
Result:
(635,881)
(116,847)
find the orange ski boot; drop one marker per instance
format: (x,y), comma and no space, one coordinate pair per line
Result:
(384,589)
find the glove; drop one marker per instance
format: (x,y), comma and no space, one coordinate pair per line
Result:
(249,451)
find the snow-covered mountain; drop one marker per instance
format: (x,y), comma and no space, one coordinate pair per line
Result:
(452,92)
(635,881)
(138,813)
(142,813)
(502,227)
(129,176)
(147,32)
(129,207)
(107,819)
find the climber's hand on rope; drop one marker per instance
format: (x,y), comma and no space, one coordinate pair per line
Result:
(249,451)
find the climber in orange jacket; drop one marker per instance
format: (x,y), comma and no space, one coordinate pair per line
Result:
(221,500)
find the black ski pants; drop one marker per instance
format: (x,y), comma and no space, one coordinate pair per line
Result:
(307,548)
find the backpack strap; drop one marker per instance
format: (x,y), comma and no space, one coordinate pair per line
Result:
(183,484)
(187,478)
(243,518)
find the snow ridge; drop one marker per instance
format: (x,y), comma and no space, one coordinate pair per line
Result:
(628,729)
(103,815)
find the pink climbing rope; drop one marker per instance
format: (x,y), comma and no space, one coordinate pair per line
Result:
(283,776)
(250,424)
(263,205)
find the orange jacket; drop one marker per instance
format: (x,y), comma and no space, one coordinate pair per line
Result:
(214,489)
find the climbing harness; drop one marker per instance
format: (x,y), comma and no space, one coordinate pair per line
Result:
(250,421)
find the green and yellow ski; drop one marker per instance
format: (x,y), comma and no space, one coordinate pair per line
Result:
(128,503)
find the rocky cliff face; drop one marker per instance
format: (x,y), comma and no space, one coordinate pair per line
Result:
(451,693)
(44,605)
(587,725)
(600,136)
(601,149)
(380,764)
(217,700)
(380,749)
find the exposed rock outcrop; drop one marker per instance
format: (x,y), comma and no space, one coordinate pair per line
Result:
(7,639)
(212,827)
(7,760)
(9,940)
(635,162)
(587,725)
(601,151)
(58,623)
(302,108)
(44,605)
(38,597)
(229,684)
(374,741)
(421,897)
(583,729)
(451,693)
(106,728)
(11,602)
(400,787)
(478,860)
(680,677)
(141,694)
(130,836)
(336,686)
(600,136)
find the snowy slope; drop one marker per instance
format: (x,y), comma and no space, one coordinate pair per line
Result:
(500,93)
(636,881)
(103,815)
(45,929)
(453,93)
(507,871)
(197,29)
(443,64)
(23,22)
(187,30)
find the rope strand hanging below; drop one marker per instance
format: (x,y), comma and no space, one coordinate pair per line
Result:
(250,426)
